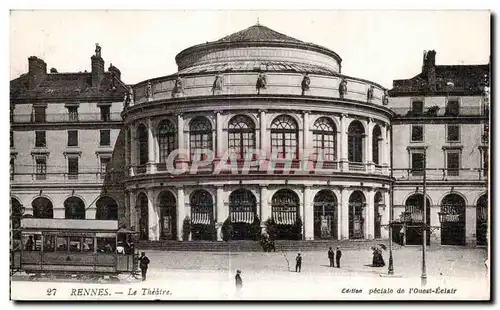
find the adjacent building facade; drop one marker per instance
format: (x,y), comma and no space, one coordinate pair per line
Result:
(256,132)
(64,150)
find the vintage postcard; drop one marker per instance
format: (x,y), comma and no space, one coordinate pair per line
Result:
(250,155)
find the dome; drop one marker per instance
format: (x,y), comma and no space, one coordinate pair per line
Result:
(258,48)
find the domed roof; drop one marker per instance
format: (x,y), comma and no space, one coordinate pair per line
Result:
(258,33)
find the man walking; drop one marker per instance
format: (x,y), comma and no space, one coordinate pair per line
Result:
(331,255)
(143,264)
(238,280)
(298,264)
(338,255)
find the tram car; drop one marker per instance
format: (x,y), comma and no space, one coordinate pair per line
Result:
(93,248)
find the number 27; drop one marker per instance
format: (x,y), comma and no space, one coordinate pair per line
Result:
(51,291)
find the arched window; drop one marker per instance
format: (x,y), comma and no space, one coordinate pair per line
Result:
(42,208)
(74,209)
(325,215)
(453,221)
(142,143)
(242,206)
(414,212)
(168,211)
(284,137)
(376,140)
(285,207)
(107,209)
(241,135)
(166,139)
(325,139)
(356,133)
(357,203)
(200,137)
(202,207)
(143,212)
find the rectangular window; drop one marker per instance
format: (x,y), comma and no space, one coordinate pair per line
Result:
(104,166)
(417,163)
(105,137)
(105,114)
(417,107)
(452,133)
(72,137)
(11,138)
(452,108)
(40,116)
(485,162)
(41,167)
(40,139)
(453,163)
(12,168)
(417,133)
(73,114)
(72,167)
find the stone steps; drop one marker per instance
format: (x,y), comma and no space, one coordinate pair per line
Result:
(254,246)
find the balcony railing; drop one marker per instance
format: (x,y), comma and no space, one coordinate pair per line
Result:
(67,118)
(440,174)
(56,177)
(441,111)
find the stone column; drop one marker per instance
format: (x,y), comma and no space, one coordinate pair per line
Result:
(90,213)
(220,214)
(134,224)
(153,224)
(305,138)
(385,212)
(369,146)
(151,149)
(263,135)
(344,213)
(470,225)
(181,212)
(370,214)
(133,151)
(265,212)
(218,135)
(344,163)
(307,215)
(127,159)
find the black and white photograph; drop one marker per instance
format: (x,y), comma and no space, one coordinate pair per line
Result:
(337,155)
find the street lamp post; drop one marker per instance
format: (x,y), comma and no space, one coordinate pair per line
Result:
(424,226)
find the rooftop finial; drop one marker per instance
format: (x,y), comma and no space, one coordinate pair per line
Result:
(97,50)
(258,20)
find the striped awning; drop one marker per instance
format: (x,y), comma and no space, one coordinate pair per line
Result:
(201,218)
(284,218)
(242,217)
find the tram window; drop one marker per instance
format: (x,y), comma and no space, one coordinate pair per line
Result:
(32,242)
(75,244)
(49,243)
(88,245)
(106,245)
(62,244)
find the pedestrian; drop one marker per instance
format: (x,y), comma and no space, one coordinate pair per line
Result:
(298,264)
(29,244)
(238,280)
(331,256)
(338,255)
(143,264)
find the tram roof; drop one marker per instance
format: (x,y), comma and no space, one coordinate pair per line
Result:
(65,224)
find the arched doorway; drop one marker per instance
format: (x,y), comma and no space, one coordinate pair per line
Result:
(74,209)
(285,212)
(453,221)
(42,208)
(357,204)
(325,215)
(142,208)
(15,222)
(379,204)
(107,209)
(168,211)
(482,220)
(242,213)
(202,216)
(414,208)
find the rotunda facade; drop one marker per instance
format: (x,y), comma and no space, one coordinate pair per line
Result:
(257,132)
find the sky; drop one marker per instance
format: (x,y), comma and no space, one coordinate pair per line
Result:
(376,45)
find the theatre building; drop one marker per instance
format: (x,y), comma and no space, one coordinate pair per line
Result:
(64,129)
(258,89)
(440,133)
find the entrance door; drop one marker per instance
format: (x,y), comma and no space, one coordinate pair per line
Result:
(453,224)
(142,203)
(325,216)
(482,221)
(168,208)
(356,217)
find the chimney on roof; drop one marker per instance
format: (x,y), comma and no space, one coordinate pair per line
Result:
(429,69)
(37,71)
(97,66)
(115,71)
